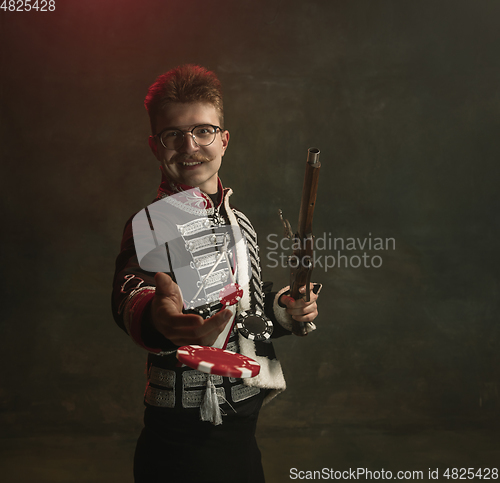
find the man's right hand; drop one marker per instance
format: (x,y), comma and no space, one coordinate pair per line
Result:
(182,329)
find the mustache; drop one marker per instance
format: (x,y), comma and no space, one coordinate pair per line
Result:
(183,157)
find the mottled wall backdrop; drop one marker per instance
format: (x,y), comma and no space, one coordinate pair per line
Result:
(403,100)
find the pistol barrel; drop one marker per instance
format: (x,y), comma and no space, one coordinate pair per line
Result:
(309,192)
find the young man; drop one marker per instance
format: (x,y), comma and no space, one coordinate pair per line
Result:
(189,141)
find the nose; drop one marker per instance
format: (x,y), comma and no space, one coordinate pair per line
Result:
(188,144)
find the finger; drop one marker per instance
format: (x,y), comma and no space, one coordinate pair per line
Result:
(305,318)
(312,300)
(217,322)
(192,329)
(175,326)
(192,323)
(303,288)
(303,301)
(312,296)
(304,310)
(214,326)
(292,303)
(168,297)
(183,322)
(288,301)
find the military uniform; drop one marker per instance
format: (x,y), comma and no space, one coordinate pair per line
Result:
(200,245)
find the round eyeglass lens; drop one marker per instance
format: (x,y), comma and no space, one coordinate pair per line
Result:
(202,135)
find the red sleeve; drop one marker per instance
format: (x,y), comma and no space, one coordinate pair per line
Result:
(133,291)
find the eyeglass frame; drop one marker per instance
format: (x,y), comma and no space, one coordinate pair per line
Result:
(217,128)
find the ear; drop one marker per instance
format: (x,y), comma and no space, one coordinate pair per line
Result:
(225,140)
(153,146)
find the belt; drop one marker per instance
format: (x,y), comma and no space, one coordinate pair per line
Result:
(161,389)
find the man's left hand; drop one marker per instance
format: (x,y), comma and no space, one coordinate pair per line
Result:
(300,310)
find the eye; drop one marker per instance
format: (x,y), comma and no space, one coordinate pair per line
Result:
(204,130)
(171,134)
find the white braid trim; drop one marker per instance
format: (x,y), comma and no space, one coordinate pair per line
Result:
(133,298)
(241,255)
(270,375)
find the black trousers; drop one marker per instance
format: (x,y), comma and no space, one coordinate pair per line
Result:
(176,446)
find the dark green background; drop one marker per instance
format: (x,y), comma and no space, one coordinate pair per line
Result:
(403,100)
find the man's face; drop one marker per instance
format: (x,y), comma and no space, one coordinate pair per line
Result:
(190,164)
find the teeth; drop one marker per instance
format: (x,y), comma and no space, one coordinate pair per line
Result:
(191,164)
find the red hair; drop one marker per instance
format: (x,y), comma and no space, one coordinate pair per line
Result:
(184,84)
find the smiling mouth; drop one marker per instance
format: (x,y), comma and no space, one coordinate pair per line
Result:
(194,163)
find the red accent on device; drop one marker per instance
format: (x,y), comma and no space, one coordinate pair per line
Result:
(231,294)
(212,360)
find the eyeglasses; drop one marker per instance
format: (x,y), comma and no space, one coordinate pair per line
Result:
(203,135)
